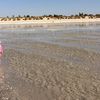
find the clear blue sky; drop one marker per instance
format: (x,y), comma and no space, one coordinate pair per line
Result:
(41,7)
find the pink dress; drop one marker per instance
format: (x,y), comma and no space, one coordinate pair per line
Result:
(1,50)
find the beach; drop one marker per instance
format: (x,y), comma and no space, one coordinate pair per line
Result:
(51,63)
(52,21)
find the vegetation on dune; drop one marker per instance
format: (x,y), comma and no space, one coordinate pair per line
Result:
(55,16)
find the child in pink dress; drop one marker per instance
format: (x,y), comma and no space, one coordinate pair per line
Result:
(1,49)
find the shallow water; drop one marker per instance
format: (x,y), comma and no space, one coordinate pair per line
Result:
(81,37)
(86,35)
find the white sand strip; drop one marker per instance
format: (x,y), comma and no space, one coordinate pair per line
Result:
(51,21)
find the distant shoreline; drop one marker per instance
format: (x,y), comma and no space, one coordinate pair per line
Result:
(51,21)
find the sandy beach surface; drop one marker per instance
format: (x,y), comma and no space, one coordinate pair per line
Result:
(51,21)
(50,63)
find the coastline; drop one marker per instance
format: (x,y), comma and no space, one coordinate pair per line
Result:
(52,21)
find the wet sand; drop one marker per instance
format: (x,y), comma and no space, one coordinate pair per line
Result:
(48,67)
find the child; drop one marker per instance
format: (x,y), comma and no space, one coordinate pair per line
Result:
(1,49)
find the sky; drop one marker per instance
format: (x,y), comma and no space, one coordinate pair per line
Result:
(45,7)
